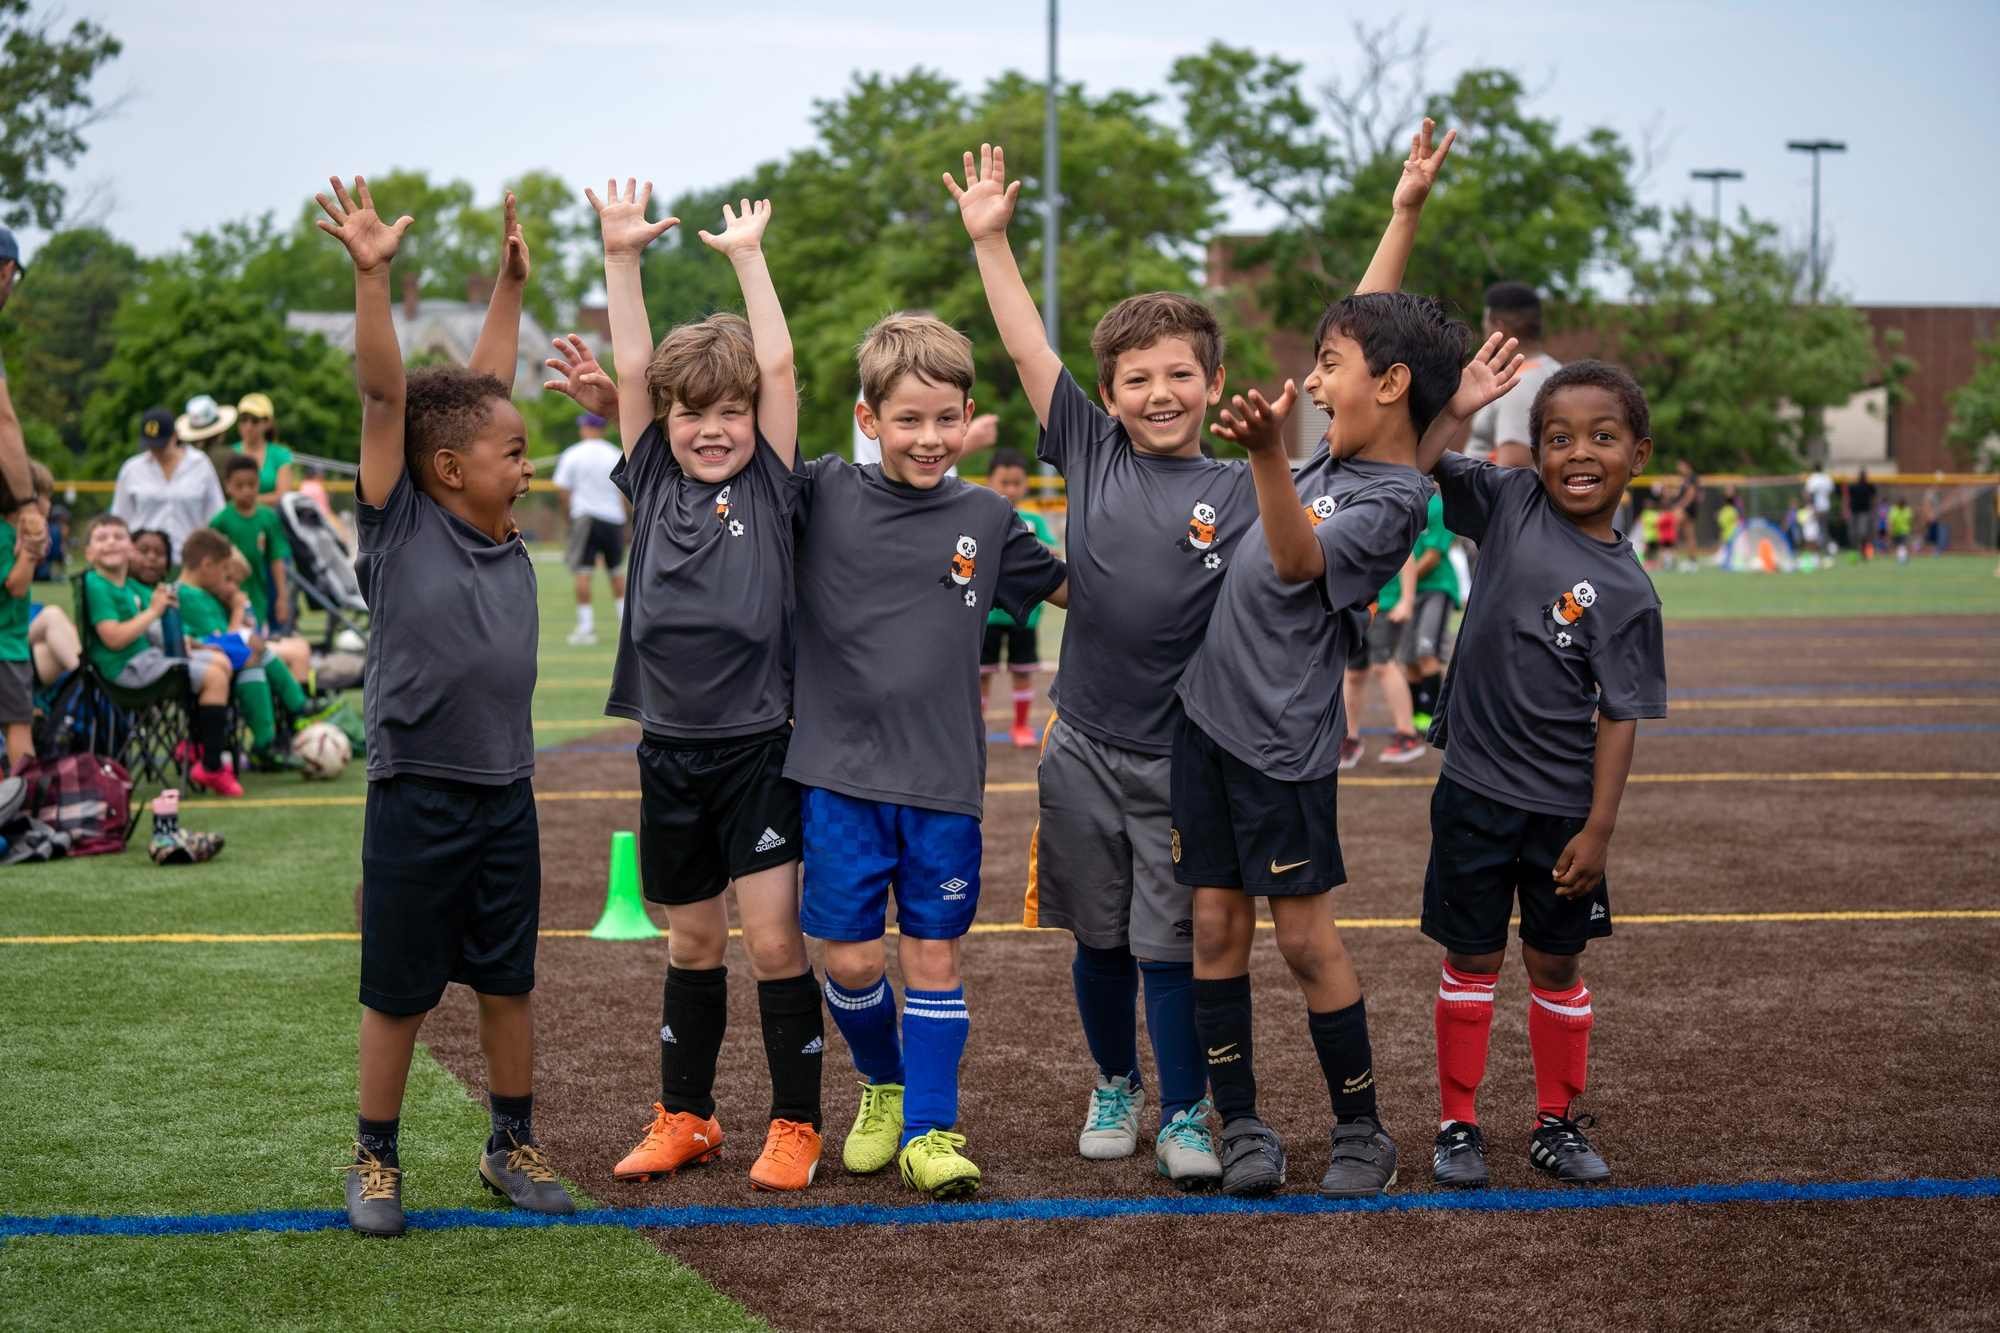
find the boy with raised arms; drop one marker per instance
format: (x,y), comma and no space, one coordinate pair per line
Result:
(1152,530)
(898,565)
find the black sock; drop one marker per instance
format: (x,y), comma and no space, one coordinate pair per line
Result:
(212,727)
(378,1137)
(1222,1017)
(513,1121)
(1424,694)
(694,1009)
(794,1040)
(1340,1039)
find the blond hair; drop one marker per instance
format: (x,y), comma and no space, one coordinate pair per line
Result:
(905,344)
(1137,322)
(709,361)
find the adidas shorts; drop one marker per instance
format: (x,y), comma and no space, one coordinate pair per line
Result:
(1100,865)
(1237,828)
(711,812)
(1485,854)
(858,851)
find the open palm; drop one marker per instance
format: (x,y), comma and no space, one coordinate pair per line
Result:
(743,227)
(622,218)
(986,201)
(370,241)
(1491,374)
(581,377)
(1420,168)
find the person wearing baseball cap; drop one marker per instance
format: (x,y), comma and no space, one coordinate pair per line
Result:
(257,436)
(13,443)
(166,485)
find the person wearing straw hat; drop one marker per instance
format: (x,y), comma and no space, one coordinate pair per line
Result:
(256,435)
(167,485)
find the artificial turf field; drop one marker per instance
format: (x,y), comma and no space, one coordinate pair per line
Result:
(1793,1062)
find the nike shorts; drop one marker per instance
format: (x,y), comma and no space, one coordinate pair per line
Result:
(1485,854)
(859,851)
(1101,865)
(1237,828)
(713,811)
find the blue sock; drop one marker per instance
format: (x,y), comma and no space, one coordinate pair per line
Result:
(1107,991)
(1177,1050)
(867,1020)
(934,1028)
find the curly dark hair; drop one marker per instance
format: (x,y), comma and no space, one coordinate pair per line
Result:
(1402,328)
(236,463)
(444,407)
(1614,380)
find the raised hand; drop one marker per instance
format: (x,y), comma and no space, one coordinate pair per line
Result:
(514,246)
(743,233)
(580,376)
(371,243)
(986,201)
(1491,373)
(622,219)
(1420,169)
(1255,424)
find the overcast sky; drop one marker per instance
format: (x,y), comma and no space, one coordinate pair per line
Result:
(231,108)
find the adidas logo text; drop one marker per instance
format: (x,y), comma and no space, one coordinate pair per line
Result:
(770,841)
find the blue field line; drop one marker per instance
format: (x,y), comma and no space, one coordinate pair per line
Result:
(1835,687)
(1034,1210)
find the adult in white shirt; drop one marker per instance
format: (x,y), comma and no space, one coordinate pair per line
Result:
(1819,494)
(1500,429)
(166,485)
(596,510)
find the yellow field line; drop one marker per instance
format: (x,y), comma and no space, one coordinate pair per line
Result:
(1016,928)
(1821,701)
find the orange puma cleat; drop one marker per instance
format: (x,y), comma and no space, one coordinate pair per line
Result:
(790,1158)
(675,1139)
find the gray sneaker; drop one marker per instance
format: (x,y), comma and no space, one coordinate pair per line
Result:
(374,1195)
(1185,1150)
(522,1176)
(1253,1159)
(1364,1161)
(1111,1125)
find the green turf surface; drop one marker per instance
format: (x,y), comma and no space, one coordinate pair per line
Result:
(1944,585)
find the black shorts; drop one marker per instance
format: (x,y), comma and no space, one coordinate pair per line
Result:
(1484,853)
(591,540)
(1023,652)
(1237,828)
(714,811)
(451,890)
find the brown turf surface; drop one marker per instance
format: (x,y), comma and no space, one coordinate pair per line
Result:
(1723,1052)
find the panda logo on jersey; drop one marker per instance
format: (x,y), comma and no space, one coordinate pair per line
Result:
(1569,607)
(1321,509)
(1200,534)
(964,560)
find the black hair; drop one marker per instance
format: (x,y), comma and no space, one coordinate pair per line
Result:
(1516,308)
(1614,380)
(136,533)
(1004,457)
(1398,328)
(444,407)
(240,463)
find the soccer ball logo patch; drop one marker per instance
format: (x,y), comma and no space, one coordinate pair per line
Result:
(1211,561)
(736,527)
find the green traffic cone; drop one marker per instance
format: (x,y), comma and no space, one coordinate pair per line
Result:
(624,909)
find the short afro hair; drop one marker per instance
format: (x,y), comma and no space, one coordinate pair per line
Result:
(240,463)
(697,365)
(1516,309)
(1137,322)
(444,407)
(203,545)
(1004,457)
(1614,380)
(1398,328)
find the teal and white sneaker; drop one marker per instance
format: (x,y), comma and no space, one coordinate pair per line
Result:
(1111,1127)
(1185,1151)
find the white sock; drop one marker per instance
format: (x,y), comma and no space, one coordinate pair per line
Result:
(618,603)
(585,620)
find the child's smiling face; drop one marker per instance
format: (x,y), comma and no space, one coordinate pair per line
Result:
(712,443)
(1588,452)
(921,427)
(149,558)
(1161,397)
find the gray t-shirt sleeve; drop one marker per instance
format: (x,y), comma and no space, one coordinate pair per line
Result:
(1363,538)
(384,526)
(1471,488)
(1630,664)
(1076,423)
(1029,571)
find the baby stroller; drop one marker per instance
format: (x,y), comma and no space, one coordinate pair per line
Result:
(323,569)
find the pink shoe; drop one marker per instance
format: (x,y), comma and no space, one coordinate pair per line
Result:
(217,782)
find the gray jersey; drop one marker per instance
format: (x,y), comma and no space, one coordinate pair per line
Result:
(1560,627)
(1265,685)
(453,627)
(706,648)
(894,587)
(1148,540)
(1506,418)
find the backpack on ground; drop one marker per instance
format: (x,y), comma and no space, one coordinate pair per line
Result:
(86,798)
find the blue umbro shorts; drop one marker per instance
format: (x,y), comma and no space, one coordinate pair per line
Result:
(856,850)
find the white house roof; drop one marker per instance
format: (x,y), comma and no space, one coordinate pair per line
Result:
(441,328)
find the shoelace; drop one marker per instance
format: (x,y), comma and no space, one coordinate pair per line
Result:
(787,1140)
(1568,1134)
(528,1160)
(657,1132)
(1110,1107)
(874,1116)
(378,1182)
(937,1140)
(1190,1129)
(1464,1139)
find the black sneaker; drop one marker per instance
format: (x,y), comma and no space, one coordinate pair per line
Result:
(1253,1160)
(520,1174)
(1364,1161)
(374,1195)
(1558,1148)
(1459,1159)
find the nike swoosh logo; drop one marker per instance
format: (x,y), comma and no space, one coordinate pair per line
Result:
(1277,869)
(1217,1052)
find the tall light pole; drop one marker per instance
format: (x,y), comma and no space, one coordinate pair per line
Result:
(1052,192)
(1715,176)
(1816,147)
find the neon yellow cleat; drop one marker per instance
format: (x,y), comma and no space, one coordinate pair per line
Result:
(878,1128)
(933,1165)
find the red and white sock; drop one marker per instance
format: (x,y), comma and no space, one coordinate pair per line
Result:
(1464,1018)
(1559,1024)
(1023,700)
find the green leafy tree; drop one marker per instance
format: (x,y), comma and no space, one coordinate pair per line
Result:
(45,105)
(1974,432)
(1736,364)
(58,335)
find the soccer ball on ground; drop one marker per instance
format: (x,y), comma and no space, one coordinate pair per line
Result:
(323,749)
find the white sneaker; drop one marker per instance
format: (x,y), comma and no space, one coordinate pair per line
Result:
(581,638)
(1111,1128)
(1185,1151)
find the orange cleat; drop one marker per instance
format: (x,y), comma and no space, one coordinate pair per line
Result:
(790,1158)
(675,1139)
(1024,737)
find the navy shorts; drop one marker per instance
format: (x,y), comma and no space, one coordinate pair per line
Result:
(451,890)
(858,850)
(1237,828)
(1484,855)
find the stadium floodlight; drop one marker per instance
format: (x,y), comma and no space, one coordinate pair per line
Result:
(1816,147)
(1715,176)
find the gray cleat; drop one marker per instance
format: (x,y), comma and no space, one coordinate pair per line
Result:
(1253,1159)
(1364,1161)
(522,1176)
(374,1195)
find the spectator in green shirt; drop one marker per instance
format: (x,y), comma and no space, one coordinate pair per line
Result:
(256,429)
(257,531)
(215,611)
(1008,475)
(23,538)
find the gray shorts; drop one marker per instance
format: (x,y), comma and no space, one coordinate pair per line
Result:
(1101,866)
(17,692)
(152,663)
(1421,636)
